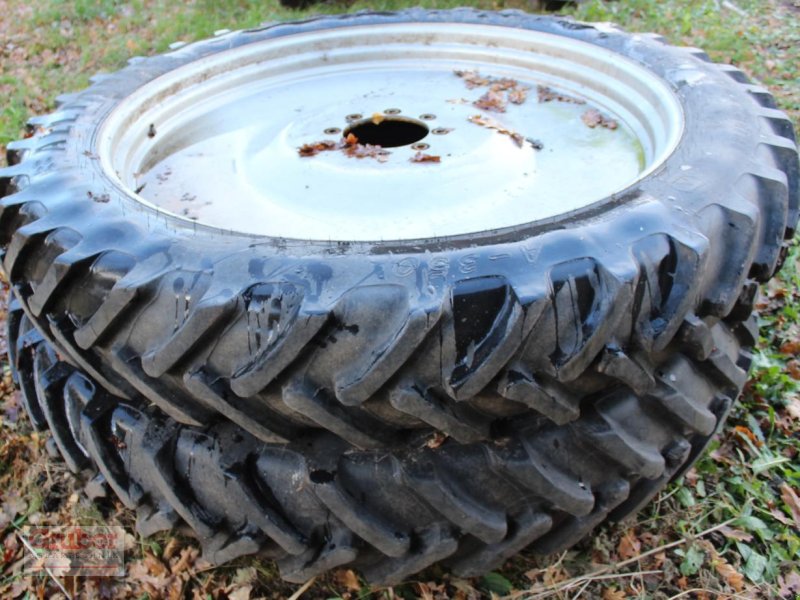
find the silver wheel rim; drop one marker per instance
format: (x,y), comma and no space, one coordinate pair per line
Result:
(219,140)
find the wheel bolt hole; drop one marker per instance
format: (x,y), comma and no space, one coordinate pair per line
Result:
(422,146)
(389,132)
(333,130)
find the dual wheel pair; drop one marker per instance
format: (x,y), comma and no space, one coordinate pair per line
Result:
(387,405)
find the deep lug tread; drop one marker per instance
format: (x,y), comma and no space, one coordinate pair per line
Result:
(51,376)
(615,363)
(523,463)
(524,529)
(60,272)
(613,438)
(388,539)
(204,320)
(336,552)
(548,398)
(453,502)
(155,390)
(458,422)
(467,372)
(259,373)
(573,529)
(432,544)
(88,363)
(695,338)
(330,415)
(355,389)
(267,426)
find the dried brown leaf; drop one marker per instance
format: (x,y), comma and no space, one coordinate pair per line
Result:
(472,79)
(735,534)
(629,545)
(778,515)
(170,548)
(185,561)
(349,145)
(594,118)
(347,578)
(155,566)
(547,94)
(793,367)
(789,586)
(518,95)
(793,408)
(241,593)
(437,439)
(613,594)
(491,101)
(727,571)
(419,157)
(745,432)
(489,123)
(731,576)
(790,498)
(315,148)
(791,347)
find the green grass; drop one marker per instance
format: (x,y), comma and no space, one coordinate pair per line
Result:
(53,47)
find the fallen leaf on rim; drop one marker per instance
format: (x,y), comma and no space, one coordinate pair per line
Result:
(491,101)
(419,157)
(594,118)
(315,148)
(472,79)
(547,94)
(518,95)
(490,123)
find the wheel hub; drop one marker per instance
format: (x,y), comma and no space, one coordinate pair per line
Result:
(226,151)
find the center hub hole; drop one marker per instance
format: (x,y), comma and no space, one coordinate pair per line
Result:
(390,132)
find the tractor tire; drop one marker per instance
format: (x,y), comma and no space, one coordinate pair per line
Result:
(387,405)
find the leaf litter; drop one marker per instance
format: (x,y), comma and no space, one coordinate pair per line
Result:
(594,118)
(348,145)
(518,138)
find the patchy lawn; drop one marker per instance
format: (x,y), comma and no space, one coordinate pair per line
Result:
(729,529)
